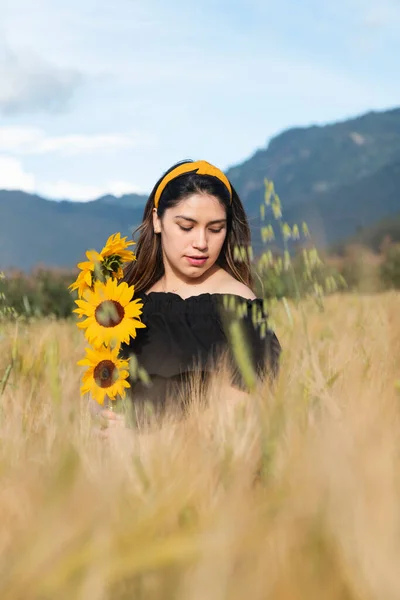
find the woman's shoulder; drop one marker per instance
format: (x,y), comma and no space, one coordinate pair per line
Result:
(231,286)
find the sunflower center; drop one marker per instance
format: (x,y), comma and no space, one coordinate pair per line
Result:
(105,373)
(109,313)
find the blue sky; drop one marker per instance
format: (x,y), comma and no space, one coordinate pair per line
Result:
(99,96)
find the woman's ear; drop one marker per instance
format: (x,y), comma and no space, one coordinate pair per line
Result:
(156,221)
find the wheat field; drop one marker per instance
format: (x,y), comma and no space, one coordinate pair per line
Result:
(293,493)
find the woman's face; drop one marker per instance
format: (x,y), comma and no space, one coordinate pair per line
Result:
(192,234)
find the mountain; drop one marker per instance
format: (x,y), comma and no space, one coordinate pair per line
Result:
(375,236)
(340,178)
(308,161)
(127,200)
(336,215)
(57,234)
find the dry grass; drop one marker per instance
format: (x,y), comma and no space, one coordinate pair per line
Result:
(294,494)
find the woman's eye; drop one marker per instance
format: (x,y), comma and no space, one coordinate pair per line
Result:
(190,228)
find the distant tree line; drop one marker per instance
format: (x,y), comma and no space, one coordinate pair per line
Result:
(44,292)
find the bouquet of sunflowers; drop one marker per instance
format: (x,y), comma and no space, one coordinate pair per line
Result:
(108,317)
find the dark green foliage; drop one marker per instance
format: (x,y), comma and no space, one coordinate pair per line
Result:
(360,267)
(43,293)
(390,267)
(6,311)
(306,275)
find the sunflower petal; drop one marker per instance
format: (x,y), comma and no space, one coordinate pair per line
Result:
(126,294)
(85,323)
(132,311)
(84,362)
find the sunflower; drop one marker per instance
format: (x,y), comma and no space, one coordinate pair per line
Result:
(99,265)
(117,246)
(89,269)
(106,375)
(118,274)
(112,315)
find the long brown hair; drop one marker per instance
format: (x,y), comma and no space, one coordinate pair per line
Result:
(148,267)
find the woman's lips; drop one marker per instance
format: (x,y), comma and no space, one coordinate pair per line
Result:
(196,261)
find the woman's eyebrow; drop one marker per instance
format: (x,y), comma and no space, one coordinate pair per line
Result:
(194,220)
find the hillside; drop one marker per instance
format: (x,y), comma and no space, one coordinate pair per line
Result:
(341,178)
(337,215)
(310,161)
(37,231)
(127,200)
(373,237)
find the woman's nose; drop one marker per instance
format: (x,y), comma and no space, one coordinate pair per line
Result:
(200,240)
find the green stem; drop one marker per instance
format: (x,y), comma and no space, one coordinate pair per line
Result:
(298,297)
(5,379)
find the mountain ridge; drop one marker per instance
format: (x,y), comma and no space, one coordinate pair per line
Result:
(339,177)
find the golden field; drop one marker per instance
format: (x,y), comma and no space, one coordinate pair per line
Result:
(291,494)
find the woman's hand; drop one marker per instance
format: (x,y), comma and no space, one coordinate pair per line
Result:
(105,418)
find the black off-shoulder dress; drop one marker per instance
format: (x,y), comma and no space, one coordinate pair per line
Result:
(192,334)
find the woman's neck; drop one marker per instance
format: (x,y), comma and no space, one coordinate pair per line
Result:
(185,287)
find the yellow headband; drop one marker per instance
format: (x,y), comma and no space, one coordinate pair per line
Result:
(201,166)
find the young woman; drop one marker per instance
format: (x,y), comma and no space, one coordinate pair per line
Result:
(194,285)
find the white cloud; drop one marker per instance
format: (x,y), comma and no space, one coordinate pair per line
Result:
(384,14)
(219,83)
(120,188)
(79,144)
(29,84)
(68,190)
(32,140)
(13,176)
(15,139)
